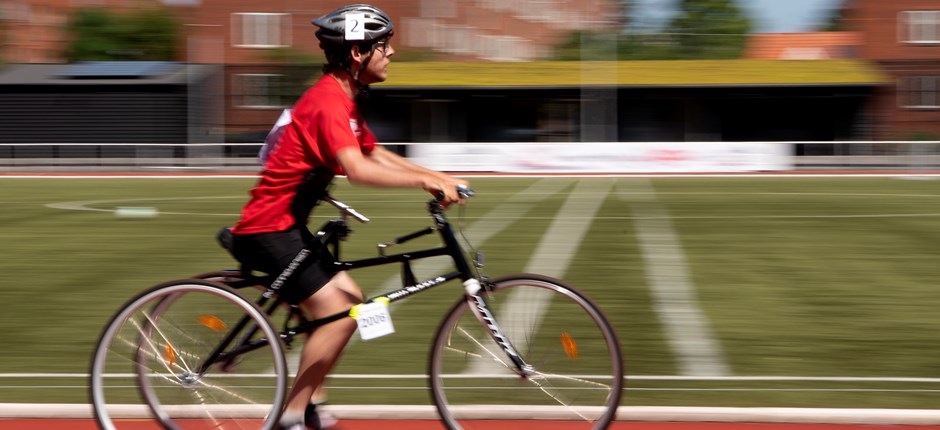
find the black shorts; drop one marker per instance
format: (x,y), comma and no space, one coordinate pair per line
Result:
(271,253)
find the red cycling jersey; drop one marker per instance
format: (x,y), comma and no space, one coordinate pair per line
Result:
(324,121)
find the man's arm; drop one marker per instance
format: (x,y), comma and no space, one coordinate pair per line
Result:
(391,159)
(382,168)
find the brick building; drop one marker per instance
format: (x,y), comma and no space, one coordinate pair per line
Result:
(252,38)
(825,45)
(242,31)
(900,37)
(903,38)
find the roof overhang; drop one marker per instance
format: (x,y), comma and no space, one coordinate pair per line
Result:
(118,73)
(676,73)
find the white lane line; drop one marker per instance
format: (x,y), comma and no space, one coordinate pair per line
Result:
(560,243)
(523,309)
(911,417)
(84,204)
(489,225)
(381,376)
(674,299)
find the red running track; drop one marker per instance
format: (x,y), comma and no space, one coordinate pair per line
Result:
(89,424)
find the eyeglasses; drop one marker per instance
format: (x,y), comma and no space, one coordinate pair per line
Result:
(383,46)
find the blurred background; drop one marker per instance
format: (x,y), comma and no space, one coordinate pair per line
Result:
(201,81)
(802,277)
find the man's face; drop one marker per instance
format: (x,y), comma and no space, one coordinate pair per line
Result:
(377,68)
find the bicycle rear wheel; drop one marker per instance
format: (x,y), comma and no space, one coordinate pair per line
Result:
(152,361)
(574,353)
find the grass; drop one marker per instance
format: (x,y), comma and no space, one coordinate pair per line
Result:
(830,277)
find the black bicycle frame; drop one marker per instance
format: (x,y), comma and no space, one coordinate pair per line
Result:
(331,234)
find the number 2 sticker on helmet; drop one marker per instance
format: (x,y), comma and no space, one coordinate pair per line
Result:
(355,28)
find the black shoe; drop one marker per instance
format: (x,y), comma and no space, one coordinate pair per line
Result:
(317,418)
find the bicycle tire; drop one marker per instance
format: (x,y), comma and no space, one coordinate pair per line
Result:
(570,344)
(153,345)
(221,276)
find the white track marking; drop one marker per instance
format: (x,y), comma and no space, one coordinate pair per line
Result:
(624,413)
(84,205)
(560,243)
(523,309)
(537,195)
(779,175)
(489,225)
(382,376)
(674,300)
(537,192)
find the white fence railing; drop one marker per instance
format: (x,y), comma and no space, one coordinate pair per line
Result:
(533,157)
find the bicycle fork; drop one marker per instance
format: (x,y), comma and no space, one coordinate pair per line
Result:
(482,311)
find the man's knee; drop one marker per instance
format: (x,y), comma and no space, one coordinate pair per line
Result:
(338,295)
(344,282)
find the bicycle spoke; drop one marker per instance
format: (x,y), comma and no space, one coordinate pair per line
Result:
(161,335)
(576,379)
(223,390)
(566,403)
(562,337)
(480,346)
(155,349)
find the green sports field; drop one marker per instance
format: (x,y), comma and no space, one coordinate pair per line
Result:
(796,291)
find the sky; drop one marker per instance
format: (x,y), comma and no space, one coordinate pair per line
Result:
(767,16)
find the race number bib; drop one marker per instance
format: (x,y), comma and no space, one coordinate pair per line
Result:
(373,319)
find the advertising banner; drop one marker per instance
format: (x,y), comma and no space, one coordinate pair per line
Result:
(605,157)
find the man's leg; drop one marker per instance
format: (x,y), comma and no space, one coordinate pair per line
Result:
(319,395)
(325,344)
(317,416)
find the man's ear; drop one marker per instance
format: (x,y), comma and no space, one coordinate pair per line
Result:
(356,54)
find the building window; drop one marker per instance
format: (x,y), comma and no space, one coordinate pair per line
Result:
(438,8)
(258,91)
(919,26)
(919,92)
(14,11)
(261,30)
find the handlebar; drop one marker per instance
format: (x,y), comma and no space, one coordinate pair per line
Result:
(463,190)
(346,209)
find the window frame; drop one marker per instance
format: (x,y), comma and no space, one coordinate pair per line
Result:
(914,24)
(241,98)
(241,39)
(919,88)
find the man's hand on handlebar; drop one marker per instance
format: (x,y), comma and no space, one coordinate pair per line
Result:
(448,189)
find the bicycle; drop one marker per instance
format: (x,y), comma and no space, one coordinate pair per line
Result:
(198,353)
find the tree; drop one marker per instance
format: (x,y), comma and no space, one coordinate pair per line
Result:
(701,29)
(836,18)
(712,29)
(586,46)
(99,35)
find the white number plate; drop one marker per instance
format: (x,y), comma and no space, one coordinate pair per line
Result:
(373,319)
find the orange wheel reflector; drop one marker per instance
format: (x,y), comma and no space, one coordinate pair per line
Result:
(212,322)
(571,347)
(169,355)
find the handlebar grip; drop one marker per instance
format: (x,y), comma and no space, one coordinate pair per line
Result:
(465,191)
(462,190)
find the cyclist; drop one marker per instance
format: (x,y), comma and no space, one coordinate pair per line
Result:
(322,136)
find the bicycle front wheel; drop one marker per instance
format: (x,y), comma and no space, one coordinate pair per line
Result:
(159,358)
(576,365)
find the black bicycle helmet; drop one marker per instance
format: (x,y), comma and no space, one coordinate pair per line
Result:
(375,26)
